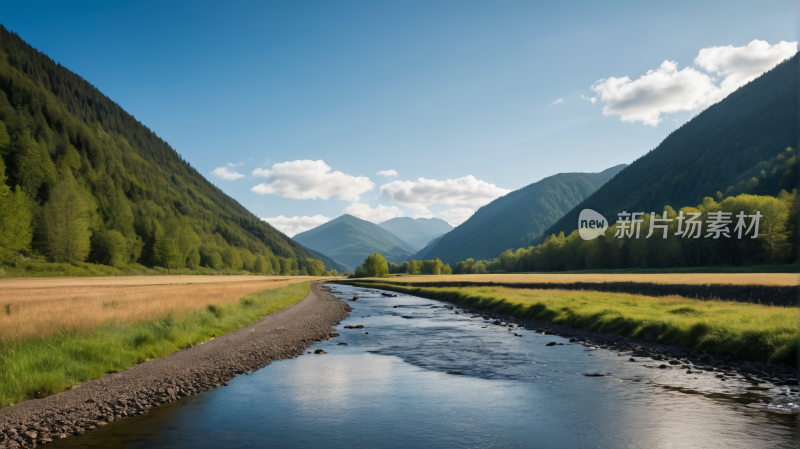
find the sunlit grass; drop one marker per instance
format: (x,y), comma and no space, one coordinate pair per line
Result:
(747,331)
(38,268)
(31,308)
(35,367)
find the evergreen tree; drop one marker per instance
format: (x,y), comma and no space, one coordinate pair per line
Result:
(15,218)
(67,216)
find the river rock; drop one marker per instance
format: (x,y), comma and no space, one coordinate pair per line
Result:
(552,343)
(320,351)
(354,326)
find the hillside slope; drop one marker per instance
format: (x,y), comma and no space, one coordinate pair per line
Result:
(136,200)
(416,231)
(517,218)
(732,147)
(350,240)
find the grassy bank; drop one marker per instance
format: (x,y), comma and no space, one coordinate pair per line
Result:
(50,364)
(746,331)
(784,268)
(39,268)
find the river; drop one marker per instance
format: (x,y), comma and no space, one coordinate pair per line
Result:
(421,375)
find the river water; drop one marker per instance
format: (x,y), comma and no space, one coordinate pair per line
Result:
(420,375)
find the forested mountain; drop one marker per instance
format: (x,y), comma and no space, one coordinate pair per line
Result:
(416,231)
(350,240)
(99,186)
(735,146)
(514,220)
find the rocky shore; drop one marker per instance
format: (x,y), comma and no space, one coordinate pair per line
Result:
(280,335)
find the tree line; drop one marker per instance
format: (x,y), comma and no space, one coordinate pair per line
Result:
(375,265)
(775,243)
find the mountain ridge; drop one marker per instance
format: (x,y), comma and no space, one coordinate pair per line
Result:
(710,153)
(350,240)
(56,122)
(518,217)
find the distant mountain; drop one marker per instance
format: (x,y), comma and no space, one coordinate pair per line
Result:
(416,231)
(421,254)
(514,220)
(350,240)
(732,147)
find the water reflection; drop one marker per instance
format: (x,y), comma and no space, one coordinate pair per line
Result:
(391,388)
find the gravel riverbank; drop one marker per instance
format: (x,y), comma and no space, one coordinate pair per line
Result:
(280,335)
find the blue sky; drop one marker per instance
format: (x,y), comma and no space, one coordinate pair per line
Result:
(441,90)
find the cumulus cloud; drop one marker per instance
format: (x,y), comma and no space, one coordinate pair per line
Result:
(387,173)
(560,100)
(593,100)
(376,215)
(668,90)
(307,179)
(226,173)
(456,216)
(418,195)
(292,226)
(740,65)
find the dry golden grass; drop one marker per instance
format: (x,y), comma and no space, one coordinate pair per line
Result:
(32,308)
(772,279)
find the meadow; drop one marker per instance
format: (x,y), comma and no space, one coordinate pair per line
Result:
(747,331)
(58,333)
(42,308)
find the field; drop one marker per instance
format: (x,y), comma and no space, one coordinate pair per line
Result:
(766,279)
(747,331)
(35,308)
(57,333)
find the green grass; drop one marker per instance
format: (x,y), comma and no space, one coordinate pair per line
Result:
(786,268)
(40,268)
(49,365)
(747,331)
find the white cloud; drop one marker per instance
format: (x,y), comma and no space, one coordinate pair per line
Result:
(418,195)
(387,173)
(456,216)
(226,173)
(593,100)
(662,91)
(292,226)
(307,179)
(375,215)
(740,65)
(668,90)
(560,100)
